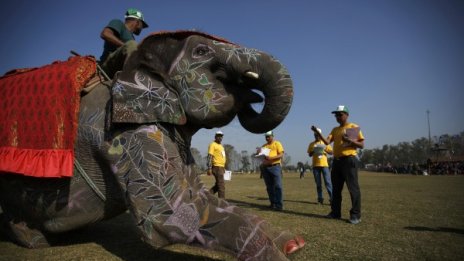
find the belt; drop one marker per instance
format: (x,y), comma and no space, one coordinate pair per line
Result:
(275,164)
(344,157)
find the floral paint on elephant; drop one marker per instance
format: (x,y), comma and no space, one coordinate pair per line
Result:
(173,205)
(195,84)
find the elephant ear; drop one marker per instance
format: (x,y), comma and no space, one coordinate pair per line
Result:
(139,98)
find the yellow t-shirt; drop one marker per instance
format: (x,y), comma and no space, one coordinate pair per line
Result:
(275,148)
(218,153)
(339,148)
(320,160)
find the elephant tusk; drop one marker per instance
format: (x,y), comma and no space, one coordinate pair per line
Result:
(252,75)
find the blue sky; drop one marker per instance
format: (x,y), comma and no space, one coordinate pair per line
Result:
(389,61)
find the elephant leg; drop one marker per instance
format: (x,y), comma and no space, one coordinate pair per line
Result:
(199,218)
(256,232)
(171,205)
(21,233)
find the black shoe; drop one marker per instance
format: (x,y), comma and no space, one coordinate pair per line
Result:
(333,216)
(320,201)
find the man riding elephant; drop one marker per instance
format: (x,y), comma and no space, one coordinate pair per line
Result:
(133,150)
(120,41)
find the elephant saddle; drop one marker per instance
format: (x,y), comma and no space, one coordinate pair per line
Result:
(39,117)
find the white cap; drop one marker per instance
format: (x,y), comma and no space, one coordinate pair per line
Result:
(219,133)
(269,133)
(319,130)
(341,108)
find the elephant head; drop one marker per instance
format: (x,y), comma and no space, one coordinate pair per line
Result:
(193,78)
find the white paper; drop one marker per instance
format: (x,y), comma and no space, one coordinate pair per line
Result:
(318,149)
(227,175)
(263,152)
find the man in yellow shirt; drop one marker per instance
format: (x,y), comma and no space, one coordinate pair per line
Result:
(346,138)
(216,162)
(318,151)
(272,171)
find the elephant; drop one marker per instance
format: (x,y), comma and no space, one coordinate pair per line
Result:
(132,150)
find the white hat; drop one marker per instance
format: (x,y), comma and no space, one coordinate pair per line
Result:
(219,133)
(341,108)
(319,130)
(269,133)
(134,13)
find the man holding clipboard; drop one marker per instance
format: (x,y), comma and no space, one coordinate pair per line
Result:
(318,151)
(272,152)
(346,138)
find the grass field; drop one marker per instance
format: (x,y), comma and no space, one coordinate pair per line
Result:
(404,218)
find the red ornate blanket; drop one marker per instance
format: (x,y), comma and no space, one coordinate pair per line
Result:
(39,116)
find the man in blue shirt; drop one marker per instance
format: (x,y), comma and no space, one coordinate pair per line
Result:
(120,41)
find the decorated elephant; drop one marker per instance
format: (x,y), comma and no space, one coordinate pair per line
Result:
(133,150)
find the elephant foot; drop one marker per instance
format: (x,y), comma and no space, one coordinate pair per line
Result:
(21,234)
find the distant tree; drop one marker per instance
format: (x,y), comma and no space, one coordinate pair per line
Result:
(232,158)
(198,159)
(367,156)
(307,166)
(245,161)
(418,151)
(286,160)
(457,144)
(255,163)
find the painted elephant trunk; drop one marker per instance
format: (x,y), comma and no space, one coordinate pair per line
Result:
(277,88)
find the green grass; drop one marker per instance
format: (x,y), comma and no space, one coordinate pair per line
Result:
(403,218)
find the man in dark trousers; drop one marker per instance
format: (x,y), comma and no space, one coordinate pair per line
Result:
(346,138)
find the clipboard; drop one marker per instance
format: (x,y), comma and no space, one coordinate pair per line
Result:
(352,134)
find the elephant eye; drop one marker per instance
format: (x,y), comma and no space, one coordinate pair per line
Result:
(201,50)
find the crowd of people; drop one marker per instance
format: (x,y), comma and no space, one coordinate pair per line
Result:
(446,167)
(442,167)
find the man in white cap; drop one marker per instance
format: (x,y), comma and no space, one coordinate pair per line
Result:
(216,162)
(120,41)
(318,151)
(272,171)
(346,138)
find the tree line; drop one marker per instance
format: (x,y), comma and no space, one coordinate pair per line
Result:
(438,148)
(444,148)
(236,161)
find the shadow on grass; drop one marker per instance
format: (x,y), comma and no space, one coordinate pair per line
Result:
(285,200)
(119,236)
(266,207)
(438,229)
